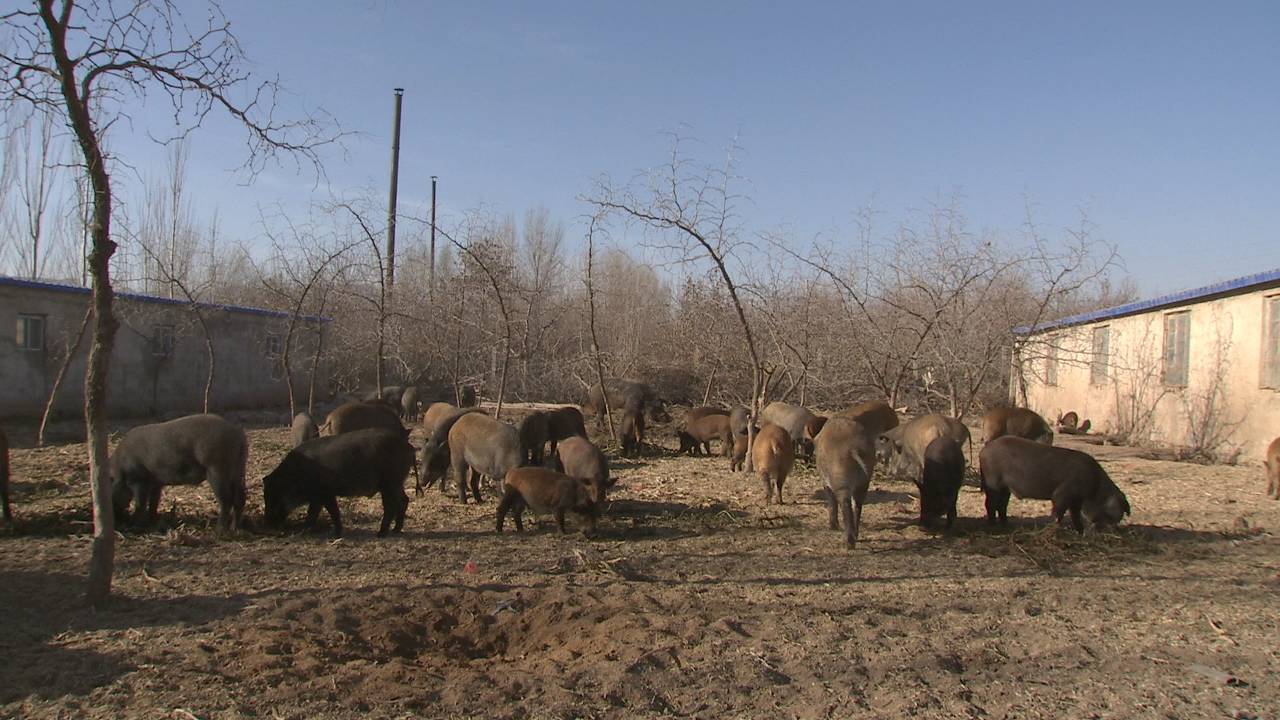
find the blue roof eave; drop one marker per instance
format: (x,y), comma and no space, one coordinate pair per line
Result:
(1226,287)
(77,290)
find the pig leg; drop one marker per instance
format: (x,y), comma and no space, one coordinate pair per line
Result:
(475,485)
(331,504)
(509,499)
(152,505)
(460,475)
(780,479)
(224,492)
(768,486)
(1064,501)
(392,509)
(850,521)
(560,520)
(404,505)
(833,509)
(518,514)
(313,513)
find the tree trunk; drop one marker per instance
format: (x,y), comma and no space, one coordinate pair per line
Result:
(595,339)
(711,379)
(62,374)
(103,553)
(315,368)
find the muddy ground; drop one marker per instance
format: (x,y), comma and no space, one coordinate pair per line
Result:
(694,601)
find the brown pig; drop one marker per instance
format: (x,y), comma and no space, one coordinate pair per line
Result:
(772,456)
(547,491)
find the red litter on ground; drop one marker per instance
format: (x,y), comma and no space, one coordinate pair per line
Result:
(469,568)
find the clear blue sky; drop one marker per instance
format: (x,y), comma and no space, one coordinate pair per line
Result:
(1162,119)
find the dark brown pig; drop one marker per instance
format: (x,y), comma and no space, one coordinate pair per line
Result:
(873,415)
(410,406)
(359,415)
(621,394)
(185,451)
(534,431)
(1020,422)
(581,460)
(564,422)
(941,479)
(772,456)
(1073,480)
(484,446)
(739,457)
(846,457)
(303,429)
(360,463)
(547,491)
(631,429)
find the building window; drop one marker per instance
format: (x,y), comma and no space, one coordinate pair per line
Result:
(1177,348)
(1051,362)
(1271,342)
(163,340)
(30,335)
(1101,357)
(274,357)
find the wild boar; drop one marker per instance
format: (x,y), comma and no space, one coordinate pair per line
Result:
(185,451)
(547,491)
(940,480)
(1020,422)
(772,456)
(360,463)
(1073,480)
(846,457)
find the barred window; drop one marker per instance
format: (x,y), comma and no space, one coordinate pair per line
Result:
(1051,362)
(1101,357)
(163,340)
(1177,348)
(1271,342)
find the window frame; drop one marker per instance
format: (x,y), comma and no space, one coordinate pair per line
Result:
(1051,362)
(1100,361)
(273,347)
(1183,347)
(1269,363)
(22,331)
(164,344)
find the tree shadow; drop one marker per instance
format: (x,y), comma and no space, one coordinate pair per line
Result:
(874,497)
(39,607)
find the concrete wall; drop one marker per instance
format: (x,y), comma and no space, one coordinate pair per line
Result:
(142,381)
(1223,404)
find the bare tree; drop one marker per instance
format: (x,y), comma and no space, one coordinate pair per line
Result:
(37,178)
(694,211)
(62,57)
(591,319)
(306,270)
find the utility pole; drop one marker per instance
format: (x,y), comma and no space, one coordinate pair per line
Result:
(391,204)
(431,276)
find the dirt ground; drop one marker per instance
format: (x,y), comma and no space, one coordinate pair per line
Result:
(694,600)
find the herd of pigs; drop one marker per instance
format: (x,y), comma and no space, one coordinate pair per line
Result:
(363,449)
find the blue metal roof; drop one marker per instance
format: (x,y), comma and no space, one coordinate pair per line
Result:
(1226,287)
(77,290)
